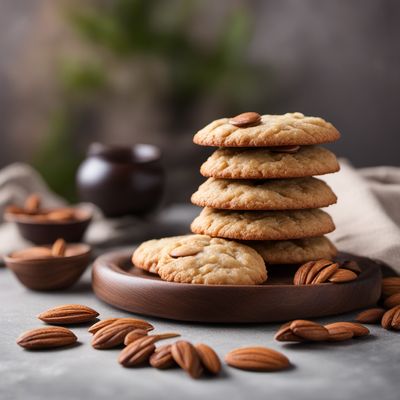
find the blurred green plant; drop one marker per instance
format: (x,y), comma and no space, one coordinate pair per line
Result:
(135,30)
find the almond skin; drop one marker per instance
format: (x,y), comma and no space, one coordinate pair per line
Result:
(246,119)
(371,316)
(257,359)
(113,335)
(339,333)
(45,338)
(137,352)
(285,334)
(357,329)
(390,286)
(68,314)
(101,324)
(391,319)
(309,330)
(162,358)
(185,355)
(342,276)
(209,358)
(392,301)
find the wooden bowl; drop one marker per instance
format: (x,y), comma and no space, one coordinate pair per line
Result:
(41,231)
(116,281)
(51,273)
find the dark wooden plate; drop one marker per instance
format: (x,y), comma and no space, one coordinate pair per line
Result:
(116,281)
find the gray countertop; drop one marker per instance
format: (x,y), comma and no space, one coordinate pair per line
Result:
(358,369)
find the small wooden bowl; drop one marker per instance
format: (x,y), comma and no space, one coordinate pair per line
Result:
(38,230)
(50,273)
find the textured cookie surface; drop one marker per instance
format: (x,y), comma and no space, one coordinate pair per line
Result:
(262,225)
(272,194)
(147,255)
(259,163)
(294,251)
(212,261)
(274,130)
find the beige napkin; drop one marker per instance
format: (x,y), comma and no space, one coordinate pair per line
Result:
(367,214)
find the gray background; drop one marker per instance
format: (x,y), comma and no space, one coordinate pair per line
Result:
(358,369)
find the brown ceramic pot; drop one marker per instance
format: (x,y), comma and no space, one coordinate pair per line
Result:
(122,180)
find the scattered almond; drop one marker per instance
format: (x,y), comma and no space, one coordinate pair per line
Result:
(371,316)
(391,319)
(257,359)
(137,352)
(101,324)
(162,358)
(357,329)
(209,358)
(309,330)
(246,119)
(185,355)
(44,338)
(68,314)
(113,335)
(338,333)
(285,334)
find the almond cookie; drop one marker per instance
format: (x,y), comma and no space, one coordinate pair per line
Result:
(273,130)
(262,163)
(211,261)
(263,225)
(275,194)
(295,251)
(147,255)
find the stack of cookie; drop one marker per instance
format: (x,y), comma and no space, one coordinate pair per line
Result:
(261,189)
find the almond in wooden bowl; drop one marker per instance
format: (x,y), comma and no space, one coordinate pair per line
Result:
(38,269)
(47,225)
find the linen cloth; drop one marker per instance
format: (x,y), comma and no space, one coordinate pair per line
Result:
(367,215)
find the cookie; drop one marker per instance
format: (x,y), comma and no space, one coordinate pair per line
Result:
(211,261)
(147,255)
(261,163)
(273,130)
(262,225)
(272,194)
(294,251)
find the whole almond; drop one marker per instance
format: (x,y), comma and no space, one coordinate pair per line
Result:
(390,286)
(318,266)
(135,335)
(300,276)
(257,359)
(32,203)
(315,272)
(185,355)
(101,324)
(185,251)
(339,333)
(246,119)
(32,253)
(325,274)
(113,335)
(58,248)
(162,358)
(285,334)
(371,316)
(209,358)
(44,338)
(357,329)
(342,276)
(309,330)
(137,352)
(391,319)
(68,314)
(392,301)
